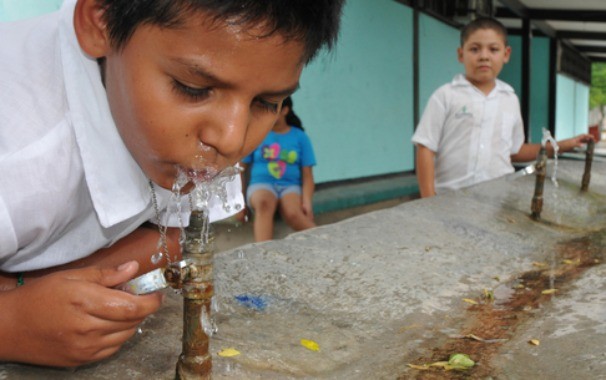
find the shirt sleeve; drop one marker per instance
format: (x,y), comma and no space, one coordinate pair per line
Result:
(8,238)
(248,159)
(517,134)
(429,129)
(308,157)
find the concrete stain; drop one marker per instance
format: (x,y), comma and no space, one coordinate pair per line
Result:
(497,321)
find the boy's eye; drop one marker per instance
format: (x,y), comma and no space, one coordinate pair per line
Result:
(267,105)
(193,93)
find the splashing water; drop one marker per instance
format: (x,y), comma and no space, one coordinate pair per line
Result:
(547,137)
(208,324)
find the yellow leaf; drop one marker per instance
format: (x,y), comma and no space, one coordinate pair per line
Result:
(539,265)
(469,300)
(439,364)
(229,352)
(535,342)
(310,345)
(549,291)
(422,367)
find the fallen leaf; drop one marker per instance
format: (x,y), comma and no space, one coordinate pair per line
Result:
(229,352)
(422,367)
(549,291)
(469,300)
(539,265)
(535,342)
(310,345)
(489,295)
(460,362)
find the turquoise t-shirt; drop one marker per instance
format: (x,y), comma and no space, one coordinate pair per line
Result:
(280,157)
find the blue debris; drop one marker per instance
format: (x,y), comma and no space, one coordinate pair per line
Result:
(252,302)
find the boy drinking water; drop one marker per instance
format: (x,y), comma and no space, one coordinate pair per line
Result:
(103,105)
(471,129)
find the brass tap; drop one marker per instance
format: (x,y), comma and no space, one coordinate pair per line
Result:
(588,161)
(541,170)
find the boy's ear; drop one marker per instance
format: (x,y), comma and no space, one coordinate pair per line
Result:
(507,54)
(91,29)
(460,54)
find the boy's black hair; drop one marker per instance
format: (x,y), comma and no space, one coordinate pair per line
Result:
(291,117)
(483,23)
(314,22)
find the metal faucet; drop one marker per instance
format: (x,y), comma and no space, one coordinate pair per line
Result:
(193,276)
(541,170)
(588,161)
(195,279)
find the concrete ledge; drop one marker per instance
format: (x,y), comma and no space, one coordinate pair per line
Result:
(343,196)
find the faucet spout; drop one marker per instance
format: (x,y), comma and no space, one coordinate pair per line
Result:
(541,170)
(588,161)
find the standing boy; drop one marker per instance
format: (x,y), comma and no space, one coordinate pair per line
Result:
(102,105)
(472,129)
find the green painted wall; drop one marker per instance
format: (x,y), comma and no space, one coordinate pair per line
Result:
(356,102)
(512,73)
(572,105)
(11,10)
(539,88)
(438,62)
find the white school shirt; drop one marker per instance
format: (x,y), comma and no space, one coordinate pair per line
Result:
(473,135)
(68,184)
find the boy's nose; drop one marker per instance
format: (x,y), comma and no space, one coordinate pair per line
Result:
(228,129)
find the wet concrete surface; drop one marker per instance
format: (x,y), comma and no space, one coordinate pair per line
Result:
(390,288)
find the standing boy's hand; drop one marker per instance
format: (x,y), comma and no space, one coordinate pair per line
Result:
(72,317)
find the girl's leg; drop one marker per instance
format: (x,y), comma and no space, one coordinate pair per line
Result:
(264,204)
(292,213)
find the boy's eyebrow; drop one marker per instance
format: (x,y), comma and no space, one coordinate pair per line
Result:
(197,71)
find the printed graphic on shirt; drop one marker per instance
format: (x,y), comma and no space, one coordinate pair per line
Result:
(463,112)
(278,159)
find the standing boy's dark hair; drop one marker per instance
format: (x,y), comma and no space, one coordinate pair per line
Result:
(313,22)
(483,23)
(291,117)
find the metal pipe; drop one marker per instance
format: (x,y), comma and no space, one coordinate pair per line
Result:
(541,170)
(588,161)
(195,280)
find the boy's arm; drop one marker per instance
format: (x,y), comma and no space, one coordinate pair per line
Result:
(139,245)
(70,318)
(529,152)
(426,171)
(307,188)
(63,316)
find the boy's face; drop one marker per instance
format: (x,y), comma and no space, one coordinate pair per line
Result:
(199,97)
(483,54)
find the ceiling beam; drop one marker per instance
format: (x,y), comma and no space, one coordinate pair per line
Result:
(591,49)
(515,9)
(567,15)
(573,34)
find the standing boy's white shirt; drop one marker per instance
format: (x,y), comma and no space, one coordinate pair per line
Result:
(473,135)
(69,185)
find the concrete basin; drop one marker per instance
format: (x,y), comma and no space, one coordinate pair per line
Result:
(465,272)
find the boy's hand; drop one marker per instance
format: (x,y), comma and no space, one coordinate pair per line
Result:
(72,317)
(574,142)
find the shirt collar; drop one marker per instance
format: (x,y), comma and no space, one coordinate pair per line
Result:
(460,80)
(118,187)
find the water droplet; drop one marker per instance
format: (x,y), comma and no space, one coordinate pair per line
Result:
(208,324)
(156,258)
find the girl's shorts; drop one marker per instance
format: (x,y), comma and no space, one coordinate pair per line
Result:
(277,190)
